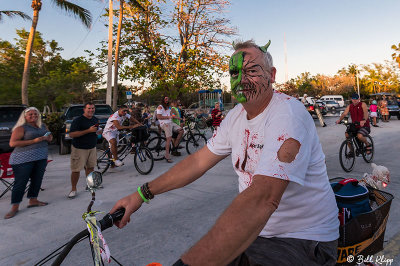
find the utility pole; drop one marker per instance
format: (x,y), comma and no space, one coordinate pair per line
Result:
(110,45)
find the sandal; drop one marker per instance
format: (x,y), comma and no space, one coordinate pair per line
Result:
(10,214)
(368,149)
(169,160)
(39,204)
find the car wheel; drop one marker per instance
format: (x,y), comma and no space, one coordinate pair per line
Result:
(64,148)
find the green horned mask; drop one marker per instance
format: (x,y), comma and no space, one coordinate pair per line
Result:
(236,72)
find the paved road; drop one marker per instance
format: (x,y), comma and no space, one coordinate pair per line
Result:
(164,229)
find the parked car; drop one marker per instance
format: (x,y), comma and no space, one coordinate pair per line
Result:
(332,105)
(394,109)
(322,107)
(9,115)
(338,98)
(103,112)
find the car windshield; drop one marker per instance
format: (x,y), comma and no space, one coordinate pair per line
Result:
(103,110)
(391,102)
(10,114)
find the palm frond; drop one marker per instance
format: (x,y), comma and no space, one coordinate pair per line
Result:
(137,4)
(13,13)
(77,11)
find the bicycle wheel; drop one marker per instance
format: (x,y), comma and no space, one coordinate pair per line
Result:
(201,123)
(143,160)
(195,143)
(103,160)
(122,144)
(157,147)
(368,157)
(346,157)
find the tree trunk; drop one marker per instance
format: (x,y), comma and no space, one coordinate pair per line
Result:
(110,45)
(36,5)
(115,89)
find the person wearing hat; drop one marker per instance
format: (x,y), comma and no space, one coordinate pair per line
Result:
(373,108)
(359,113)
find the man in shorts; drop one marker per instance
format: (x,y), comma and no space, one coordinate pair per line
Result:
(165,117)
(83,150)
(285,213)
(359,113)
(114,123)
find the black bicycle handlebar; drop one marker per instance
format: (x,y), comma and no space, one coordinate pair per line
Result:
(107,222)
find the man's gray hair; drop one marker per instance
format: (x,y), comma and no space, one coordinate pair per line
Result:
(251,44)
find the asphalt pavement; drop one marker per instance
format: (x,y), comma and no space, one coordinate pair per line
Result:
(162,230)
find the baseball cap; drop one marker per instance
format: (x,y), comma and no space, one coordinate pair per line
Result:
(355,96)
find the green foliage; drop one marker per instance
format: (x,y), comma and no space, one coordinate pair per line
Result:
(54,81)
(173,53)
(396,54)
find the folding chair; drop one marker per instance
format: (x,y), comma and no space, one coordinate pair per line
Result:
(6,172)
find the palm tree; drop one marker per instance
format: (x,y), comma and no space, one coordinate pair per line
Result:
(13,13)
(70,8)
(115,87)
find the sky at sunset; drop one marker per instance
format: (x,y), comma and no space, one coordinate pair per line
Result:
(321,36)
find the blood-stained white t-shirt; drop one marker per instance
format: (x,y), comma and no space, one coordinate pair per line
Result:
(161,111)
(110,127)
(308,208)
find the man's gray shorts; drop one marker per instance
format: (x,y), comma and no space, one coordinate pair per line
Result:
(287,251)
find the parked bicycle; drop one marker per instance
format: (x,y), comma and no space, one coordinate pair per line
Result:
(194,141)
(143,159)
(353,147)
(99,252)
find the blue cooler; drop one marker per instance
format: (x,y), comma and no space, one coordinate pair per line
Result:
(351,197)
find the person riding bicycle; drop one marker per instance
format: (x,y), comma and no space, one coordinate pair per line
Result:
(285,213)
(165,117)
(359,113)
(114,123)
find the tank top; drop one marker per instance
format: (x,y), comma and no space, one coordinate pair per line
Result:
(357,114)
(33,152)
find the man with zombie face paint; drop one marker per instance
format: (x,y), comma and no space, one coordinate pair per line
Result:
(285,213)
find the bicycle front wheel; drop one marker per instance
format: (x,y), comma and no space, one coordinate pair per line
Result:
(347,157)
(143,160)
(368,157)
(103,160)
(195,143)
(157,147)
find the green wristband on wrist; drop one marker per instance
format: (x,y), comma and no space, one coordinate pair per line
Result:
(141,195)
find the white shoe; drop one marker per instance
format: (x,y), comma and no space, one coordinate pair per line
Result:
(118,163)
(72,194)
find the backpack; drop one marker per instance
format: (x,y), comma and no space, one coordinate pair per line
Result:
(352,199)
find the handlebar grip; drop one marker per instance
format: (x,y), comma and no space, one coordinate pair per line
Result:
(109,219)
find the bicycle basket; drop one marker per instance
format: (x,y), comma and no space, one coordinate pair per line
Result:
(140,134)
(364,234)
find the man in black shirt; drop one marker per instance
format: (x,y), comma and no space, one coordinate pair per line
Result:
(84,139)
